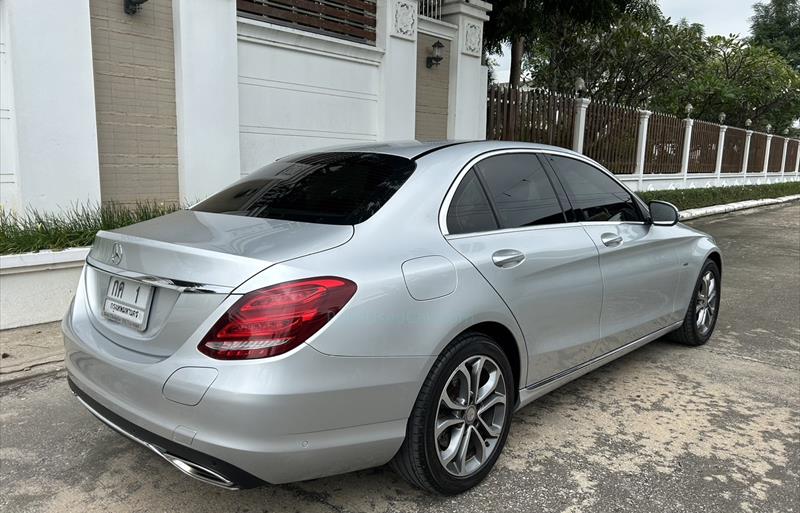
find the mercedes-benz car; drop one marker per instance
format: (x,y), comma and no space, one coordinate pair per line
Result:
(385,303)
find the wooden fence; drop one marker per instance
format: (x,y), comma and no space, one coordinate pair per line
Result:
(791,154)
(775,155)
(353,20)
(614,136)
(611,136)
(664,144)
(703,148)
(733,150)
(532,116)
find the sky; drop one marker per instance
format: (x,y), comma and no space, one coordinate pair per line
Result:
(719,17)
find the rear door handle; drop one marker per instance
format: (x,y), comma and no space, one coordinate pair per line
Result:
(611,239)
(506,258)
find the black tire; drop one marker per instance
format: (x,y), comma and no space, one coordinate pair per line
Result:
(689,333)
(417,460)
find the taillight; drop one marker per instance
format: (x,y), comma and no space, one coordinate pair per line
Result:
(276,319)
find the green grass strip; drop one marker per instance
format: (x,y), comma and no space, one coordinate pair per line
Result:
(34,231)
(685,199)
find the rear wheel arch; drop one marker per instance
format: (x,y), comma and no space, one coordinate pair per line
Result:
(507,342)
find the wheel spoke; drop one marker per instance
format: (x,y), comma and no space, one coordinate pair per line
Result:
(443,425)
(480,445)
(491,429)
(461,461)
(701,317)
(490,386)
(491,403)
(446,456)
(477,369)
(450,403)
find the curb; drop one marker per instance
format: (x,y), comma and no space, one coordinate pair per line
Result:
(694,213)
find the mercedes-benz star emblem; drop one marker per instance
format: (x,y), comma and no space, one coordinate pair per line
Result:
(116,253)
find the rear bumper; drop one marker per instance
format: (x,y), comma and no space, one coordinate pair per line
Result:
(299,416)
(192,463)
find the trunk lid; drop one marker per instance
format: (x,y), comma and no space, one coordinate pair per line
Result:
(189,262)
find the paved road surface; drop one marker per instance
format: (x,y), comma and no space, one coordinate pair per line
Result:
(664,429)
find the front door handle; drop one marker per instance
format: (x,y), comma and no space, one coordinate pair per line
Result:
(611,239)
(506,258)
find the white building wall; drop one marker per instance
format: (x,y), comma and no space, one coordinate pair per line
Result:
(9,194)
(299,90)
(51,115)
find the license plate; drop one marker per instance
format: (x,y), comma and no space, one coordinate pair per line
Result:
(128,302)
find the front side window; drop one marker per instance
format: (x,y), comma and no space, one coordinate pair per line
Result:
(328,188)
(520,190)
(594,194)
(469,210)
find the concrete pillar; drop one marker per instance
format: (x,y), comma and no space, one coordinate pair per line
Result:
(206,96)
(747,136)
(466,109)
(579,123)
(397,35)
(687,143)
(52,136)
(720,149)
(783,158)
(766,154)
(641,143)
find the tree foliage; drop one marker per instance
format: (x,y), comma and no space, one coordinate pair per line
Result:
(776,25)
(628,52)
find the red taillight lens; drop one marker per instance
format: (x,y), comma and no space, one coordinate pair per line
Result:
(273,320)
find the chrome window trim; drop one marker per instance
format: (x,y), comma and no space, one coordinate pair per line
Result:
(448,198)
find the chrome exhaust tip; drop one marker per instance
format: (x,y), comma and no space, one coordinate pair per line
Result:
(196,471)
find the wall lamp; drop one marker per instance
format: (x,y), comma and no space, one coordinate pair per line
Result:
(436,58)
(132,6)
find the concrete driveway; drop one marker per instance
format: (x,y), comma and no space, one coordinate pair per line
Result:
(666,428)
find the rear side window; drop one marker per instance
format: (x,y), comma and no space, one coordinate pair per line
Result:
(469,210)
(328,188)
(520,190)
(594,194)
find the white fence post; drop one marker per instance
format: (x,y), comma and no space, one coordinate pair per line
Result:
(720,149)
(687,142)
(766,153)
(797,159)
(783,159)
(579,123)
(641,144)
(747,136)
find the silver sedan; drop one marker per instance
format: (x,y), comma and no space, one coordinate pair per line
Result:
(347,308)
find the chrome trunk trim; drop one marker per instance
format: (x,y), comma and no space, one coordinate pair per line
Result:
(181,287)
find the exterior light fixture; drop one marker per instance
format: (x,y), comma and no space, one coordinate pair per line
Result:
(689,109)
(132,6)
(436,58)
(748,122)
(769,128)
(580,86)
(785,131)
(721,118)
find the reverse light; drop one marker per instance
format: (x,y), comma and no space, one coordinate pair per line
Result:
(276,319)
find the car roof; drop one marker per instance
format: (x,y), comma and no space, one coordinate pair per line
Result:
(416,149)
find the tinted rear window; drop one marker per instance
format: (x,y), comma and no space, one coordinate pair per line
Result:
(329,188)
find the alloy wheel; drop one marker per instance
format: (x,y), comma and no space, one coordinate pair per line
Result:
(707,302)
(470,416)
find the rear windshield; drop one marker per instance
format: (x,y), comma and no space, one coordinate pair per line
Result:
(329,188)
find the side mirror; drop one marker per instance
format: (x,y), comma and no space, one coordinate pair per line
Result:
(663,213)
